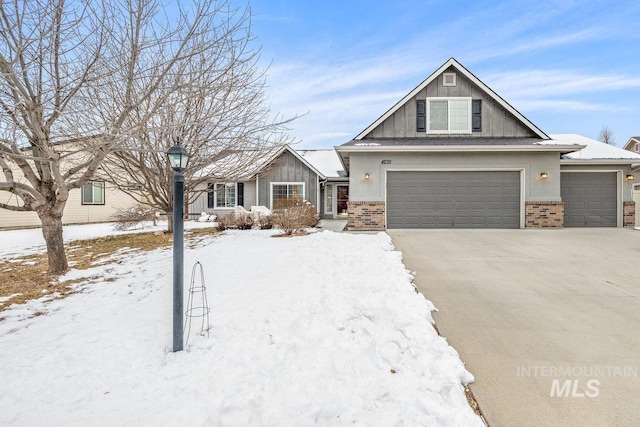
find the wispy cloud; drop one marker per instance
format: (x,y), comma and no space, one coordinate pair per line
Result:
(554,105)
(558,82)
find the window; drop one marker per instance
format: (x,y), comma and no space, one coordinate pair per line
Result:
(328,192)
(448,115)
(225,195)
(286,190)
(93,193)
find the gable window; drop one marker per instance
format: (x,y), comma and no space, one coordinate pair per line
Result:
(93,193)
(448,79)
(448,115)
(286,190)
(224,195)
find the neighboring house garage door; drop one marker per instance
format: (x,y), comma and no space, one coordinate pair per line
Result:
(590,199)
(456,199)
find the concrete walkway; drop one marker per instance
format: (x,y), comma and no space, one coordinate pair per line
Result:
(337,225)
(548,321)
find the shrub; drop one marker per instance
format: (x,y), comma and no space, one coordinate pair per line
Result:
(292,216)
(134,216)
(244,222)
(226,221)
(264,222)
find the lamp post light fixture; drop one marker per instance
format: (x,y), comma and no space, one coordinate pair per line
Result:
(178,160)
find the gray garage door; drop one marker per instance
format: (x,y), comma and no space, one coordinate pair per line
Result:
(590,199)
(453,199)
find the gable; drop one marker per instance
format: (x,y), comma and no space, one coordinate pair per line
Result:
(498,118)
(633,144)
(288,167)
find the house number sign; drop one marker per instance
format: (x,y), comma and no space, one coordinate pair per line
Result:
(386,162)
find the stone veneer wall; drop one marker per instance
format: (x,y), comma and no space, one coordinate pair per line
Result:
(544,214)
(629,216)
(366,215)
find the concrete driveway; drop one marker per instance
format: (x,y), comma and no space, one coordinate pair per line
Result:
(548,321)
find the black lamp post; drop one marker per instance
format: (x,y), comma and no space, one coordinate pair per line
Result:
(178,159)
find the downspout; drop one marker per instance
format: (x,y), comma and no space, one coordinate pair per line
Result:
(318,192)
(322,184)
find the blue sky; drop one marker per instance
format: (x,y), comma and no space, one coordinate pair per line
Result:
(568,66)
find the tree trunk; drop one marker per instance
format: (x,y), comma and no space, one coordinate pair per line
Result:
(52,231)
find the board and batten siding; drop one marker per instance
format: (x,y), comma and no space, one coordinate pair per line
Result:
(287,168)
(497,122)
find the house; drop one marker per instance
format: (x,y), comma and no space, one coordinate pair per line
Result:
(452,153)
(96,201)
(633,145)
(313,175)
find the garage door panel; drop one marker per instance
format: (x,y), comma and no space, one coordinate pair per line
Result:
(590,199)
(458,199)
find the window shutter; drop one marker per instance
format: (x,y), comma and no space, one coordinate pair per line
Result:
(476,115)
(240,194)
(210,196)
(421,115)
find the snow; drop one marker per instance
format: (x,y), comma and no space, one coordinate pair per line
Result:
(326,162)
(324,329)
(593,150)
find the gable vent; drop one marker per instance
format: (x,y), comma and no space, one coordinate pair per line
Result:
(448,79)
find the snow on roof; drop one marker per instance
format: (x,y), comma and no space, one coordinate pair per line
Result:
(326,162)
(238,165)
(594,149)
(244,166)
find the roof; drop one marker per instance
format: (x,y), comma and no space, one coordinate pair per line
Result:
(325,161)
(243,166)
(453,63)
(238,165)
(457,144)
(593,150)
(633,140)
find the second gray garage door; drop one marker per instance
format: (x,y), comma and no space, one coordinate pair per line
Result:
(456,199)
(590,199)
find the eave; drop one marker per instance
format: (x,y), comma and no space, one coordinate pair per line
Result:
(461,148)
(344,151)
(600,162)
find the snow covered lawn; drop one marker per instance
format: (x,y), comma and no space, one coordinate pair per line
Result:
(324,329)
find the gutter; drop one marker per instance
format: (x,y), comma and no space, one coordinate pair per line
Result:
(601,162)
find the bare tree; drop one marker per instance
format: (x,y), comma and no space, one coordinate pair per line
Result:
(80,80)
(220,115)
(606,136)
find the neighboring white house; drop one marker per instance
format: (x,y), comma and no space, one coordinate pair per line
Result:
(96,201)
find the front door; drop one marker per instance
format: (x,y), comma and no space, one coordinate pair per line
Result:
(342,198)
